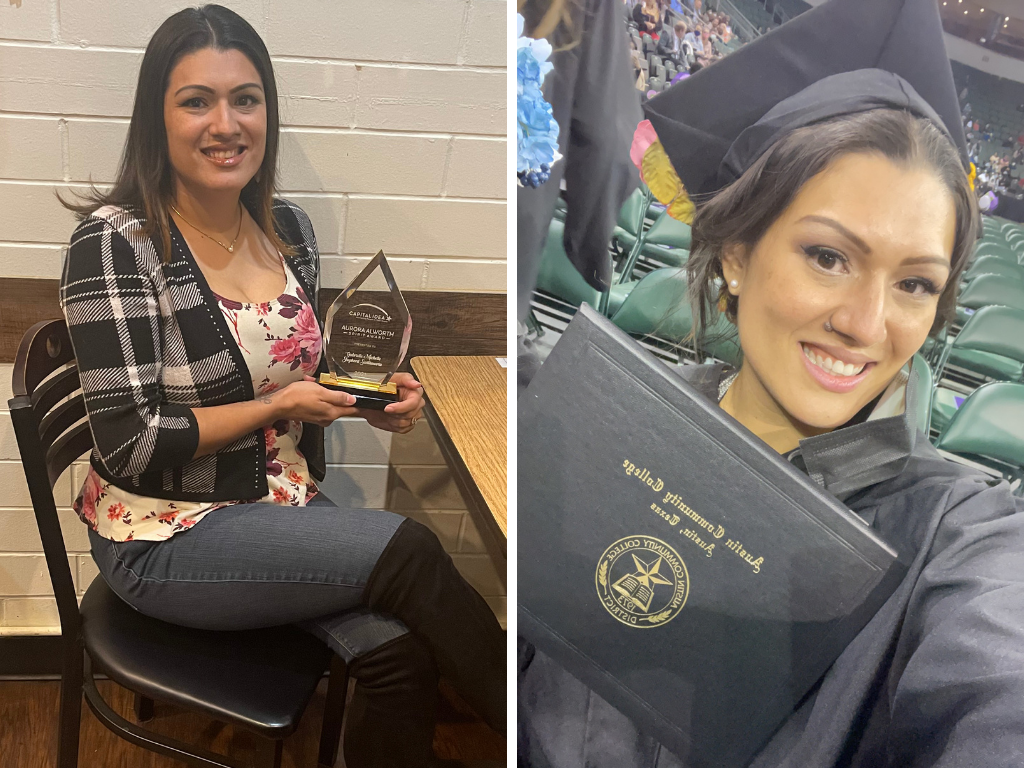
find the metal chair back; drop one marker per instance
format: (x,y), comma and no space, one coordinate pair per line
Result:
(48,413)
(52,430)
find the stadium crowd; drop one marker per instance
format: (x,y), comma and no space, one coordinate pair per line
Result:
(672,39)
(995,173)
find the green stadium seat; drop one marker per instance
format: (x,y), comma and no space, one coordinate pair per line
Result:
(991,227)
(669,232)
(989,428)
(995,330)
(988,290)
(559,277)
(928,349)
(657,306)
(999,250)
(944,405)
(990,345)
(920,365)
(669,257)
(667,240)
(999,255)
(631,218)
(987,364)
(617,295)
(560,208)
(990,264)
(722,342)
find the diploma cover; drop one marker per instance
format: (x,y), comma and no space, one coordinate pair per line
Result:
(671,560)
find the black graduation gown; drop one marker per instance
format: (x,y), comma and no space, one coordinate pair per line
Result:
(597,108)
(936,678)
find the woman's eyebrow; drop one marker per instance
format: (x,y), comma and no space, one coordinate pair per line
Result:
(208,89)
(927,260)
(864,246)
(840,229)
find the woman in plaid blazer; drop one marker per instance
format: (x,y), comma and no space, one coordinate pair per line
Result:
(198,371)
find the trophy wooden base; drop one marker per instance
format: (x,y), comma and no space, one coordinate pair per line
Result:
(367,394)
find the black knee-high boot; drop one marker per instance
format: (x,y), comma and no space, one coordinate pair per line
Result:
(416,581)
(394,707)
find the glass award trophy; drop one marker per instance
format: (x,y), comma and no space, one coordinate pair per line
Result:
(366,336)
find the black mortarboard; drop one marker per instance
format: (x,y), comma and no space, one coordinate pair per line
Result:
(841,57)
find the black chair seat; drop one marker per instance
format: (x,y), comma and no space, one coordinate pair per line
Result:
(259,679)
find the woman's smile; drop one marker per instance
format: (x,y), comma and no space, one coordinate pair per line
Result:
(224,156)
(834,374)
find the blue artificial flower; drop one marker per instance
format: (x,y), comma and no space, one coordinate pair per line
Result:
(533,65)
(527,70)
(537,135)
(536,131)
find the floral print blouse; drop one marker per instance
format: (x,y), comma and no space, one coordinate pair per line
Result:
(281,342)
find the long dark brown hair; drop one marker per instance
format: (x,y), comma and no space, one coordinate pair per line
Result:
(144,179)
(743,211)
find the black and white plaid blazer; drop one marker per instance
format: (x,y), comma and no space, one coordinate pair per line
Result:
(152,344)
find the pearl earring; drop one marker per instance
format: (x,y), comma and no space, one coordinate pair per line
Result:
(734,283)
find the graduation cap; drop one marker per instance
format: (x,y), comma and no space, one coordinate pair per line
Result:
(842,57)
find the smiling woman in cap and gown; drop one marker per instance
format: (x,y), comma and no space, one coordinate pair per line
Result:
(828,164)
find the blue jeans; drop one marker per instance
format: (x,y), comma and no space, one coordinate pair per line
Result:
(257,565)
(251,565)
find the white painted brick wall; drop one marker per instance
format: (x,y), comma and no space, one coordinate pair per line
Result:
(393,125)
(94,148)
(33,214)
(487,19)
(393,137)
(323,160)
(30,259)
(416,31)
(426,227)
(31,22)
(62,80)
(130,24)
(474,169)
(37,141)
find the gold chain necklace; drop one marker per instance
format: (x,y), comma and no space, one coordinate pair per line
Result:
(229,248)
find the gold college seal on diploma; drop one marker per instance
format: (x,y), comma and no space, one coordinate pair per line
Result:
(642,581)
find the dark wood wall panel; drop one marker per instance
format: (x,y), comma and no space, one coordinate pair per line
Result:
(444,323)
(23,303)
(450,323)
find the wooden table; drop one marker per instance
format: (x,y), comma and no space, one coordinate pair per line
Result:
(467,406)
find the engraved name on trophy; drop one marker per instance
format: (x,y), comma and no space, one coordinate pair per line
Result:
(366,337)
